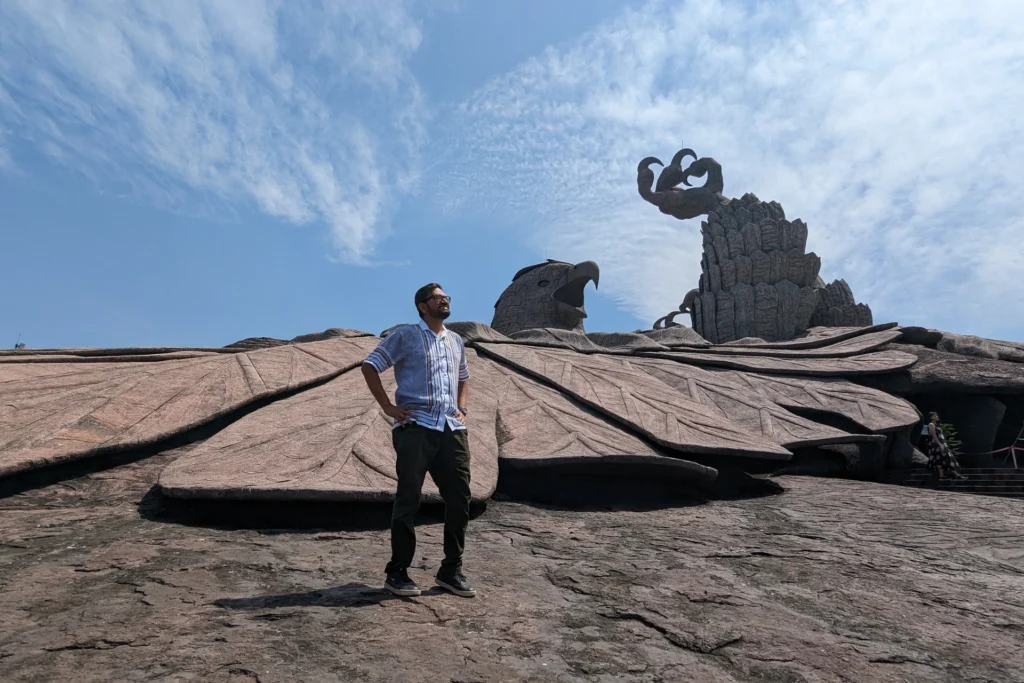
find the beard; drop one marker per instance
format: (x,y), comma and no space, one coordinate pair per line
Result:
(443,315)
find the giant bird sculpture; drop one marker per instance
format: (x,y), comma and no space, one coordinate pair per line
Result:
(296,422)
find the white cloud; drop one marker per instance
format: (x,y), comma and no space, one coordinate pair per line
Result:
(292,108)
(893,129)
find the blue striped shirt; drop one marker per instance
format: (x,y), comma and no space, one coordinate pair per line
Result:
(428,369)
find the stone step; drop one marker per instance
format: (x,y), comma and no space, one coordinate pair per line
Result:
(1006,484)
(970,478)
(968,486)
(976,470)
(1002,474)
(976,477)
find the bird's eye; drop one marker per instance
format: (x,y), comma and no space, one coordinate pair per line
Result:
(543,283)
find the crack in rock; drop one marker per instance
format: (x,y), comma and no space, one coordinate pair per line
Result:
(689,641)
(99,644)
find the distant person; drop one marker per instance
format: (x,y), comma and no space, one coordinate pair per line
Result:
(940,457)
(429,435)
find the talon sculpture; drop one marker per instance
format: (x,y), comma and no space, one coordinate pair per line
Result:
(673,174)
(756,281)
(685,307)
(676,202)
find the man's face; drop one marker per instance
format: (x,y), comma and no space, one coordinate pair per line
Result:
(438,305)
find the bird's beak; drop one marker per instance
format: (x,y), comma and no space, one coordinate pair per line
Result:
(571,293)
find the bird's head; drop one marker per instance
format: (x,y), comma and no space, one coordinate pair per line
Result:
(548,295)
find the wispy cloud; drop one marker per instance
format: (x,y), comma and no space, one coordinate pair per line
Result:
(5,156)
(289,107)
(894,129)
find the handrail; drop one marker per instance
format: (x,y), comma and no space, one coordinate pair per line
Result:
(1018,445)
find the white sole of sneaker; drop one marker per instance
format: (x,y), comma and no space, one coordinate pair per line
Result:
(456,591)
(411,593)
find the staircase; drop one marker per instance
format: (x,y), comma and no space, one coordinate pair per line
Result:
(986,481)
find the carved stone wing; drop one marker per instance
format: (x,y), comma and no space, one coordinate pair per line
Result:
(328,443)
(843,348)
(816,337)
(129,356)
(539,426)
(872,409)
(76,410)
(878,362)
(632,397)
(744,406)
(111,355)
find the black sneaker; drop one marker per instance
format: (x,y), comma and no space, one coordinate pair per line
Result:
(456,583)
(399,583)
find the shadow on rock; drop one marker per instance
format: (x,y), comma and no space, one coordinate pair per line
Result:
(587,487)
(349,595)
(56,474)
(264,515)
(739,485)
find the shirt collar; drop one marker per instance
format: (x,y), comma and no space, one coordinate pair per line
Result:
(426,327)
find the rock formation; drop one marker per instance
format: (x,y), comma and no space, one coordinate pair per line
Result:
(757,279)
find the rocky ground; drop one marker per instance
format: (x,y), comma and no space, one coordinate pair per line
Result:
(831,580)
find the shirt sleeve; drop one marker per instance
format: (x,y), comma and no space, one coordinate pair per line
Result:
(388,352)
(463,363)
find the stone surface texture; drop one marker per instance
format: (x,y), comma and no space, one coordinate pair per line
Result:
(941,371)
(329,443)
(539,426)
(875,411)
(839,348)
(964,345)
(758,280)
(884,362)
(599,400)
(831,581)
(80,409)
(742,405)
(636,399)
(221,515)
(677,336)
(817,337)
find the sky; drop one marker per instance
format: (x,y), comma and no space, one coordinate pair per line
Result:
(197,172)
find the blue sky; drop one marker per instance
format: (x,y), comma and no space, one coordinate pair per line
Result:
(193,173)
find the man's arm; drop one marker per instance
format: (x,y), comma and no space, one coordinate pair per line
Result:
(372,378)
(387,353)
(463,395)
(463,390)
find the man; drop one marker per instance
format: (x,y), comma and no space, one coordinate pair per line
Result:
(429,435)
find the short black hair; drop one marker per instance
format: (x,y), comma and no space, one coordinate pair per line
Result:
(423,294)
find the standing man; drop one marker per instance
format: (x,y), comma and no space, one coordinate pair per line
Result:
(429,435)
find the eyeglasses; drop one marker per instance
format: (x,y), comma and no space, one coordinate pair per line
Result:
(440,298)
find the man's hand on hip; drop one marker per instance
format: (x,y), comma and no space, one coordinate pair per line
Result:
(399,414)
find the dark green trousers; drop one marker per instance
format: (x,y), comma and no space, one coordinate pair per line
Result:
(445,455)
